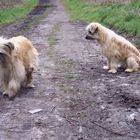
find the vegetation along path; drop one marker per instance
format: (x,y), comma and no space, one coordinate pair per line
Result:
(79,100)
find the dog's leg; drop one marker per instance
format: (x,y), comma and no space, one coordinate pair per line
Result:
(13,87)
(5,92)
(113,66)
(29,78)
(5,87)
(107,67)
(132,64)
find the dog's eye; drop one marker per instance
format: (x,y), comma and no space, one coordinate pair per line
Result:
(90,32)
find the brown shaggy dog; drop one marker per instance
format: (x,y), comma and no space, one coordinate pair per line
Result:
(18,59)
(117,49)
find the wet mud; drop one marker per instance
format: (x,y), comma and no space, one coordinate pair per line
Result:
(79,100)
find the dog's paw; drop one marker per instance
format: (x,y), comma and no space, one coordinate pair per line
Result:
(105,67)
(112,71)
(5,93)
(11,95)
(30,86)
(129,70)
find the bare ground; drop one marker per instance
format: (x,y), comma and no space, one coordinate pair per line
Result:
(79,100)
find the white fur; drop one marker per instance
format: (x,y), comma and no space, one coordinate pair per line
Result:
(116,48)
(21,60)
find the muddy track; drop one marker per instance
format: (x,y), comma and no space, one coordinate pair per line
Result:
(37,11)
(40,8)
(20,27)
(79,100)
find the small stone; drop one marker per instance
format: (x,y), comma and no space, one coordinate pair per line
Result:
(35,111)
(132,116)
(137,118)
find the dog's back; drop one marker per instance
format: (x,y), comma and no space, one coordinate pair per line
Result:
(116,48)
(117,42)
(25,50)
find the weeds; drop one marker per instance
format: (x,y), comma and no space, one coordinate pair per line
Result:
(123,17)
(11,14)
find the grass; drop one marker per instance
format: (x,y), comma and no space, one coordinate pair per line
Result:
(52,37)
(123,17)
(11,14)
(51,40)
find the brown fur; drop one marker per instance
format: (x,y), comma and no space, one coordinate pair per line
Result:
(117,49)
(18,59)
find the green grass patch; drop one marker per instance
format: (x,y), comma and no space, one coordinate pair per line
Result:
(52,37)
(123,17)
(51,40)
(11,14)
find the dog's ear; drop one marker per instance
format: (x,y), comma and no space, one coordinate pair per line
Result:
(3,58)
(9,47)
(95,28)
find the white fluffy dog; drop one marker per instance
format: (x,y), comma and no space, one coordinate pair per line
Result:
(18,59)
(117,49)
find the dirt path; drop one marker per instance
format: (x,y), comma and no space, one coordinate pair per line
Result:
(79,100)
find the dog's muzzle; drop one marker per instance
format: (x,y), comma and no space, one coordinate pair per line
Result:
(89,37)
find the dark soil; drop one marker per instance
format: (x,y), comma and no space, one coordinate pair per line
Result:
(79,100)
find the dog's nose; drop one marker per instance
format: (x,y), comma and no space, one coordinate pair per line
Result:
(88,37)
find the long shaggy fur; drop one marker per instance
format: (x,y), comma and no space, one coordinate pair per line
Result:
(117,49)
(18,59)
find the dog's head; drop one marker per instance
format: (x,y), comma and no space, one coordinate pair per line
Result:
(6,48)
(92,31)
